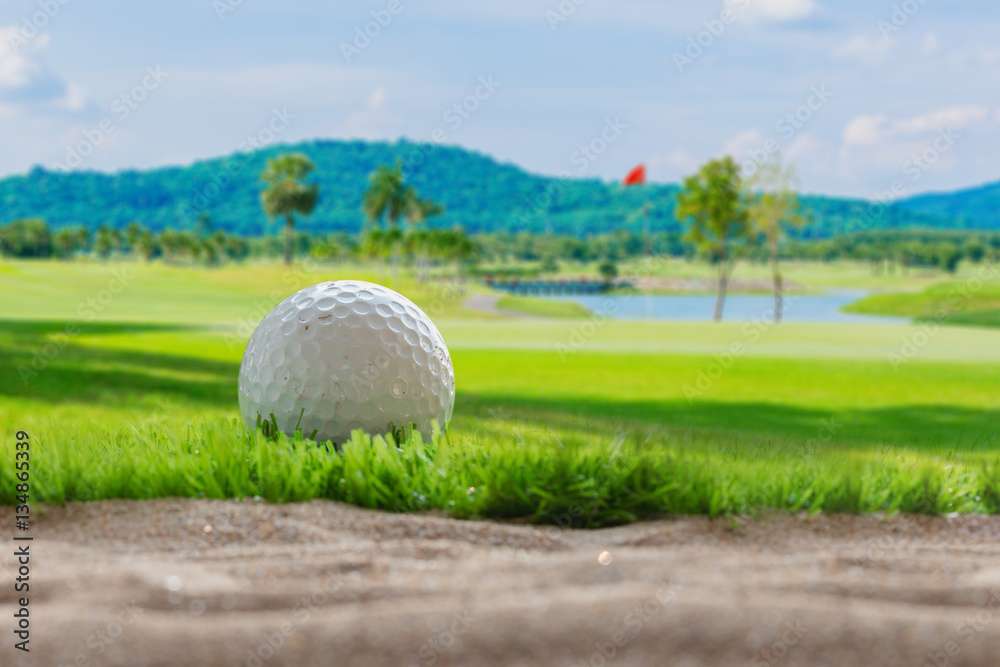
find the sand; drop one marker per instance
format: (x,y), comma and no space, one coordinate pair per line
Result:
(187,582)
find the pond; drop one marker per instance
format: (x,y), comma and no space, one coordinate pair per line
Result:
(738,308)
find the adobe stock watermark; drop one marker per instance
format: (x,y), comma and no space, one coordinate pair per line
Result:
(364,36)
(32,25)
(966,631)
(751,331)
(892,537)
(900,16)
(87,310)
(920,163)
(562,12)
(455,117)
(703,40)
(582,158)
(633,624)
(791,633)
(764,493)
(827,430)
(787,126)
(223,7)
(121,108)
(447,634)
(303,610)
(958,297)
(914,167)
(580,334)
(100,641)
(293,279)
(202,197)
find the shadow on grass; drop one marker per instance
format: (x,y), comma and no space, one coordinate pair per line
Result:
(938,428)
(88,375)
(44,367)
(989,319)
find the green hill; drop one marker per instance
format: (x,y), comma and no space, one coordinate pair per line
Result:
(477,191)
(974,208)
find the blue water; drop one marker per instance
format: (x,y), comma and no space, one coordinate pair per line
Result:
(798,308)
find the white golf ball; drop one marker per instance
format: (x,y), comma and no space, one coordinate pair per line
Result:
(346,355)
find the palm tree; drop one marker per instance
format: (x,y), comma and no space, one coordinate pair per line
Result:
(287,193)
(372,244)
(459,247)
(418,238)
(104,241)
(773,205)
(168,242)
(146,245)
(132,234)
(389,198)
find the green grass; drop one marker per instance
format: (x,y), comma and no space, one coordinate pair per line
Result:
(812,276)
(973,301)
(542,307)
(555,420)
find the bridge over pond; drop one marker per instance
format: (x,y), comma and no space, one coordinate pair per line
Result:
(551,287)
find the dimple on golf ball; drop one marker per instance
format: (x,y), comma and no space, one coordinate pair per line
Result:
(346,355)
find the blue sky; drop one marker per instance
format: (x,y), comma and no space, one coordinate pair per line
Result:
(884,91)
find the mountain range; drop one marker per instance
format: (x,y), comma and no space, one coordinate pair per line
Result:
(477,191)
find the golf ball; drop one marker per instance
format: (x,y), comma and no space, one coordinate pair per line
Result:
(346,355)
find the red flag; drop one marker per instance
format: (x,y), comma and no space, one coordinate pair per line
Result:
(636,177)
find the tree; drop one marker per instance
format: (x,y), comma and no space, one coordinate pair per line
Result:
(236,248)
(608,271)
(132,235)
(417,212)
(146,244)
(287,193)
(948,257)
(373,244)
(203,226)
(712,202)
(104,241)
(389,198)
(462,249)
(975,251)
(67,242)
(168,242)
(773,206)
(26,238)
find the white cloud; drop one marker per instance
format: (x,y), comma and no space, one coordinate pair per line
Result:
(865,130)
(803,147)
(742,142)
(374,120)
(16,69)
(377,99)
(932,45)
(868,51)
(990,56)
(885,149)
(25,80)
(957,117)
(868,130)
(672,166)
(771,10)
(76,98)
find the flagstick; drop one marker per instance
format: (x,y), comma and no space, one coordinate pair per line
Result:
(649,255)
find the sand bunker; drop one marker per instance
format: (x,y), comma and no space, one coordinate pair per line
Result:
(176,583)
